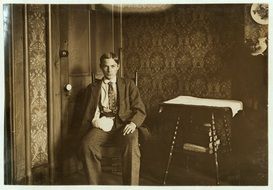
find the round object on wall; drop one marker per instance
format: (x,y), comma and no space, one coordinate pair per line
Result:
(259,13)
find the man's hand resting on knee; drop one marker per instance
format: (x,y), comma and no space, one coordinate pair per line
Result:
(129,128)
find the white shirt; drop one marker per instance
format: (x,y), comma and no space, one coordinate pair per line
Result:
(104,91)
(104,95)
(104,101)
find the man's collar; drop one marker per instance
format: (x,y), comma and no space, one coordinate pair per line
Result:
(106,81)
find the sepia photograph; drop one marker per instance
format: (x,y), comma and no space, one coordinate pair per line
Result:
(136,94)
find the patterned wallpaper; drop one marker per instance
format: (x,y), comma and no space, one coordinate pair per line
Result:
(182,51)
(37,83)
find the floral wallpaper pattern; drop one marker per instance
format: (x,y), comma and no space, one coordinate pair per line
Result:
(182,51)
(37,83)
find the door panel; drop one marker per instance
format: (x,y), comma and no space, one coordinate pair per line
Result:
(75,71)
(84,34)
(78,38)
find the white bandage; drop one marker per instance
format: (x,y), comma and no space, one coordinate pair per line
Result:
(104,123)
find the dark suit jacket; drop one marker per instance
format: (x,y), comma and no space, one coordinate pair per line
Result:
(131,107)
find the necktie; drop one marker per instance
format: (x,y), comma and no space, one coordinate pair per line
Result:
(112,98)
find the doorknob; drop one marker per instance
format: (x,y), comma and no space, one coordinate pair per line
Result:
(68,88)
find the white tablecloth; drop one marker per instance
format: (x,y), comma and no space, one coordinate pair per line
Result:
(190,100)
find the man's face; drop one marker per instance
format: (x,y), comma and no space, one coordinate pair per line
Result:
(109,68)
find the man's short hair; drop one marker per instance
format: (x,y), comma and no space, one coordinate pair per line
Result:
(109,55)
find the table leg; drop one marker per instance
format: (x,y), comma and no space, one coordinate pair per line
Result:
(227,134)
(171,150)
(214,145)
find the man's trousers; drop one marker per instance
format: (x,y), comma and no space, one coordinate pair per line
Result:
(130,154)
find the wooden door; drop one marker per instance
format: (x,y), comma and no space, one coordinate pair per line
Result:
(84,33)
(75,75)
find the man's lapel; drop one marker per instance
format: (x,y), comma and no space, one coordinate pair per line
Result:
(121,90)
(96,92)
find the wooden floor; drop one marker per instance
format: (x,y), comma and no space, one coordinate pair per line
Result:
(251,158)
(107,178)
(179,177)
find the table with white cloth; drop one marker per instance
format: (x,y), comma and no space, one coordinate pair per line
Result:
(188,111)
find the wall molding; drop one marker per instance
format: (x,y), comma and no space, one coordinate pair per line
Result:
(50,103)
(27,106)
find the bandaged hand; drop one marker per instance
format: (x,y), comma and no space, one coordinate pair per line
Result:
(103,123)
(129,128)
